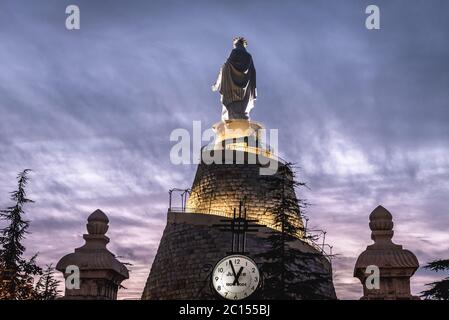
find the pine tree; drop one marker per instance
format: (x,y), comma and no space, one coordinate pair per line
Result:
(287,271)
(47,286)
(439,289)
(16,273)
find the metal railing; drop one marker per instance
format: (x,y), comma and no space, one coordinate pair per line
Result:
(183,193)
(261,150)
(191,210)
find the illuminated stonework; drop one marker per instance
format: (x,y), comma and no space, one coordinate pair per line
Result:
(192,244)
(218,188)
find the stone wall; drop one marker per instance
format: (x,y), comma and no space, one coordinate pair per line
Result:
(218,188)
(191,246)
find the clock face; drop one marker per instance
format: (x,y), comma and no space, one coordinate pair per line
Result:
(235,277)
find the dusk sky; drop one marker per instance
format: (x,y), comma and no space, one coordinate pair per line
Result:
(363,113)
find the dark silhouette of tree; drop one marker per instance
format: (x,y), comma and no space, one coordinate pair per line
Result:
(439,289)
(287,270)
(47,286)
(16,273)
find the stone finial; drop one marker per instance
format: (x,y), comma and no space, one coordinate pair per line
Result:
(396,265)
(100,272)
(97,223)
(381,225)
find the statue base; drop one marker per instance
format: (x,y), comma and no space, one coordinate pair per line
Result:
(237,129)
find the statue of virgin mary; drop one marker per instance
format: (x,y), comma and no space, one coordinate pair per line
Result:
(236,83)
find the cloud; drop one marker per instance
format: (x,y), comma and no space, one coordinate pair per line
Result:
(364,114)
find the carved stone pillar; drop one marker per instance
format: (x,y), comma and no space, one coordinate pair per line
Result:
(100,272)
(396,265)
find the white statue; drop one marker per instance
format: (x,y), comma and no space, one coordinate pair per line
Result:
(237,83)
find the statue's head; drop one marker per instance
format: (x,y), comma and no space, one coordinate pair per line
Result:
(239,42)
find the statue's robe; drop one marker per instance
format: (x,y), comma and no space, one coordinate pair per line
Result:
(237,85)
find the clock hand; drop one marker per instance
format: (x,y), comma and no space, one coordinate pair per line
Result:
(236,278)
(232,267)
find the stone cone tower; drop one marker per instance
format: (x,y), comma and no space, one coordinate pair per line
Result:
(100,272)
(243,170)
(396,265)
(219,187)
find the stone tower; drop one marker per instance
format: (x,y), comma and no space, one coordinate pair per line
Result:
(100,272)
(190,246)
(219,187)
(396,265)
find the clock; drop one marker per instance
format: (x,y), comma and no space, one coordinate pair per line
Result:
(235,277)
